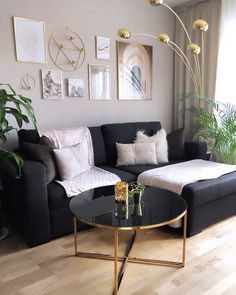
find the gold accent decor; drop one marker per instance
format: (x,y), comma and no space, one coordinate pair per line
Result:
(156,2)
(66,50)
(196,71)
(124,33)
(27,82)
(194,48)
(201,25)
(121,191)
(164,38)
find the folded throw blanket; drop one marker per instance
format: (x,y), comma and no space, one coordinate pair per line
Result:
(67,137)
(175,177)
(94,176)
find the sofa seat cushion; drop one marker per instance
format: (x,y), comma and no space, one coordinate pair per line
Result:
(206,191)
(124,175)
(138,169)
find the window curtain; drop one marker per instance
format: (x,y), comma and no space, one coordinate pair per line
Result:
(225,82)
(211,12)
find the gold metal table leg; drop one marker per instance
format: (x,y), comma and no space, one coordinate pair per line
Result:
(127,259)
(116,232)
(184,238)
(75,234)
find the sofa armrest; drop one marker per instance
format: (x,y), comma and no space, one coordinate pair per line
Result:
(196,150)
(25,202)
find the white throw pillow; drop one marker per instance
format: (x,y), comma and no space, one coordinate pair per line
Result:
(72,161)
(136,153)
(161,143)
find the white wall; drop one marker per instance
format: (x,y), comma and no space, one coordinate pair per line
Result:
(88,19)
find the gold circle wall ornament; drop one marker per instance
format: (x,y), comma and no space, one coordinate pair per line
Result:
(27,82)
(66,50)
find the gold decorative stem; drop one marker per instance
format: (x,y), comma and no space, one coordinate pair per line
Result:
(182,24)
(203,62)
(199,75)
(185,61)
(196,58)
(186,64)
(143,34)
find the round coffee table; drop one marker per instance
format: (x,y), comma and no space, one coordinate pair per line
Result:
(159,207)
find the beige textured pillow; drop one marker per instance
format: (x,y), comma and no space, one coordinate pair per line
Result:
(161,143)
(72,161)
(136,153)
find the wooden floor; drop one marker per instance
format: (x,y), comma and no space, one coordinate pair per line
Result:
(52,269)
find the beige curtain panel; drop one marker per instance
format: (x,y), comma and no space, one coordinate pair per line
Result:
(211,12)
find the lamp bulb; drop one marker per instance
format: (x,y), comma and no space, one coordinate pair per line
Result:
(156,2)
(194,48)
(200,25)
(164,38)
(124,33)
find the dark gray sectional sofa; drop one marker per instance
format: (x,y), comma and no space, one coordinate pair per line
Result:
(39,208)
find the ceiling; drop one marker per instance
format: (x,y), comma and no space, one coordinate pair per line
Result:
(174,3)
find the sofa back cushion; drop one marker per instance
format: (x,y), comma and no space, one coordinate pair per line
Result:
(99,150)
(176,145)
(30,136)
(124,133)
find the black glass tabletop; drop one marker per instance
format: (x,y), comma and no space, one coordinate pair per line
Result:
(158,207)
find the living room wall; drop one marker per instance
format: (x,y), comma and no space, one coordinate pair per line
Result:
(89,19)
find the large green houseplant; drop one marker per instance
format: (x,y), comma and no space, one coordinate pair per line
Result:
(20,108)
(216,124)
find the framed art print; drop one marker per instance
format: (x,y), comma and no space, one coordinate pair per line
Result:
(134,71)
(76,87)
(52,84)
(103,47)
(99,82)
(30,40)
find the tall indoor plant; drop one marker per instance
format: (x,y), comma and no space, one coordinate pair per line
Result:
(216,124)
(20,108)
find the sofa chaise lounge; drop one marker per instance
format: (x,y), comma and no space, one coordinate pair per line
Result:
(40,210)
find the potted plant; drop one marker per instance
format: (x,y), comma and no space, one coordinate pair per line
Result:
(136,190)
(216,124)
(18,106)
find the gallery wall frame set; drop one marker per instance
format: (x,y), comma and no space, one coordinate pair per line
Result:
(99,82)
(134,63)
(30,40)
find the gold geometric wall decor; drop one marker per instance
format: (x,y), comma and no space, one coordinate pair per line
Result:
(27,82)
(66,50)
